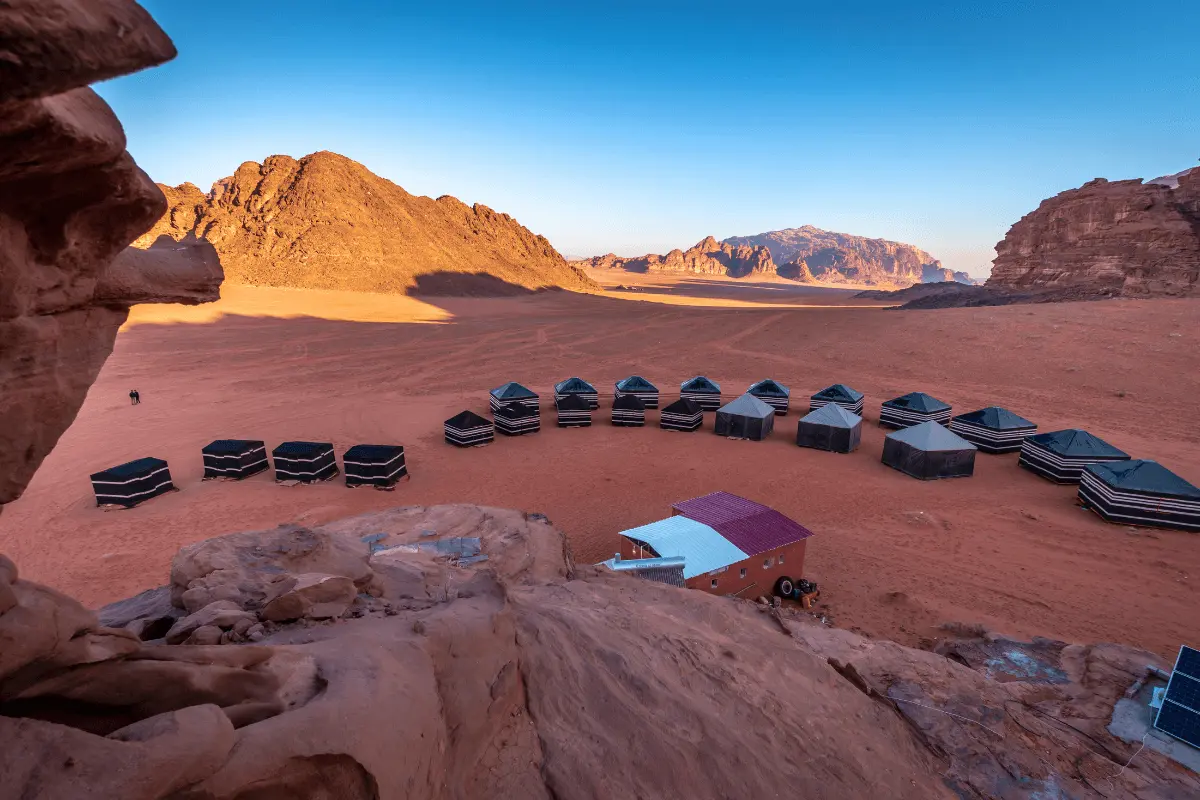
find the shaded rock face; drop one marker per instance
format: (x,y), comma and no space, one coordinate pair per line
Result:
(1125,238)
(326,222)
(708,257)
(71,199)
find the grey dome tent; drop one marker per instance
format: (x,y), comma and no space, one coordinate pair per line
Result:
(703,391)
(1060,456)
(132,482)
(306,462)
(628,411)
(517,420)
(831,428)
(468,429)
(639,387)
(840,394)
(773,393)
(379,465)
(577,387)
(512,394)
(913,409)
(993,429)
(574,411)
(682,415)
(1138,492)
(928,451)
(234,458)
(747,417)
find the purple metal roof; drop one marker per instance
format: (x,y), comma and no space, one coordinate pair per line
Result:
(749,526)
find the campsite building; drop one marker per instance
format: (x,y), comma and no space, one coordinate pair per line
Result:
(993,429)
(745,418)
(1060,456)
(512,394)
(831,427)
(628,411)
(839,393)
(234,459)
(703,391)
(729,545)
(577,387)
(307,462)
(574,411)
(682,415)
(773,393)
(913,409)
(1140,492)
(468,429)
(379,465)
(518,420)
(928,451)
(640,388)
(132,482)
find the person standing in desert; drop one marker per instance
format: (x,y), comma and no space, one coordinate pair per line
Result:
(135,397)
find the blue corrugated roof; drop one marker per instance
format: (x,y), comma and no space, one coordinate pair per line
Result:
(702,547)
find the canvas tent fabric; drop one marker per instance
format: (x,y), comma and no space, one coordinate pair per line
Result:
(234,459)
(682,415)
(831,427)
(379,465)
(913,409)
(703,391)
(1060,456)
(638,386)
(306,462)
(518,420)
(993,429)
(752,527)
(512,394)
(574,411)
(132,482)
(747,417)
(773,393)
(702,548)
(577,387)
(840,394)
(1140,492)
(628,411)
(468,429)
(928,451)
(657,570)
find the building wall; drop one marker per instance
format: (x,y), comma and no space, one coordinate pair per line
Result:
(759,580)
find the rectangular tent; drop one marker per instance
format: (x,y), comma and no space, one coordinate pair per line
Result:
(234,458)
(380,465)
(307,462)
(132,482)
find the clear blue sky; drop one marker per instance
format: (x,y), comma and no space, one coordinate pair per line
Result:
(638,127)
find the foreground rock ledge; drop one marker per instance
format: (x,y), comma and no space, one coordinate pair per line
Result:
(520,676)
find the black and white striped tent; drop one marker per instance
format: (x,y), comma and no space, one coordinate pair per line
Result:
(512,394)
(640,388)
(1139,492)
(703,391)
(928,451)
(993,429)
(747,417)
(1060,456)
(682,415)
(234,458)
(468,429)
(577,387)
(913,409)
(379,465)
(132,482)
(306,462)
(518,420)
(773,393)
(573,411)
(839,394)
(831,427)
(628,411)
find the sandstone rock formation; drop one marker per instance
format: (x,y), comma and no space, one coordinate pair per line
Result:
(1123,238)
(708,257)
(71,199)
(326,222)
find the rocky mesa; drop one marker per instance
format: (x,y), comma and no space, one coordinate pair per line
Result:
(707,257)
(326,222)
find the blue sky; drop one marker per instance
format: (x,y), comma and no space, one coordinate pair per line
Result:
(638,127)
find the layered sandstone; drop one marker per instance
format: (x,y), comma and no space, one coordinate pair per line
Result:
(327,222)
(707,257)
(1125,238)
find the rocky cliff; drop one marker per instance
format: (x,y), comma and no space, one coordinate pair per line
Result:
(708,257)
(326,222)
(1126,238)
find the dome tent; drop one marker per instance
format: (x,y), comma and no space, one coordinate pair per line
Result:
(747,417)
(841,394)
(574,411)
(628,411)
(928,451)
(682,415)
(831,427)
(773,393)
(132,482)
(307,462)
(993,429)
(641,388)
(703,391)
(512,394)
(234,458)
(468,429)
(379,465)
(1060,456)
(913,409)
(577,387)
(1139,492)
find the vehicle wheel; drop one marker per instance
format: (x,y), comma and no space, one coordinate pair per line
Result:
(784,587)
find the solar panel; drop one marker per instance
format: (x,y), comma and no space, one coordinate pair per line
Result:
(1180,712)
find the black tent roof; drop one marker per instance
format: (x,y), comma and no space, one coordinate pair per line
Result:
(636,383)
(574,386)
(301,448)
(931,436)
(700,384)
(372,453)
(467,419)
(769,388)
(573,402)
(223,447)
(918,401)
(131,469)
(839,392)
(513,391)
(747,406)
(996,418)
(834,416)
(629,402)
(1076,443)
(683,406)
(1143,476)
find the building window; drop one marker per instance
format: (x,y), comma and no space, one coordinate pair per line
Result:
(743,572)
(714,583)
(766,563)
(779,559)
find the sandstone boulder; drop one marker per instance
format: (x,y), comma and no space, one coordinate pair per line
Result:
(312,595)
(221,615)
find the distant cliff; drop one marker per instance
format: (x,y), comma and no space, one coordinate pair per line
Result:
(708,257)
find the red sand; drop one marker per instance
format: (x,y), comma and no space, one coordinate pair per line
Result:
(895,556)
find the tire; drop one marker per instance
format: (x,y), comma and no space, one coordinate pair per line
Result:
(785,587)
